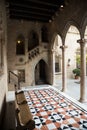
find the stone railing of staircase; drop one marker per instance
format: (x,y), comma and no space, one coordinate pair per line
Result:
(36,52)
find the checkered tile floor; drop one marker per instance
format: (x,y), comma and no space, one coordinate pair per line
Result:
(52,111)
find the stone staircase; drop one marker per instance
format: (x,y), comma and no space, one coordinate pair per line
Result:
(37,51)
(33,53)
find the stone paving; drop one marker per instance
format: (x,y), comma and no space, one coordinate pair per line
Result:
(73,88)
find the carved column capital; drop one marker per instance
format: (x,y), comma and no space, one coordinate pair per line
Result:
(82,41)
(63,47)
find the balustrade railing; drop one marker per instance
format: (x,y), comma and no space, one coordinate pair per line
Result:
(33,53)
(36,52)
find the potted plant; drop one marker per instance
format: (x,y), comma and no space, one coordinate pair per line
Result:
(76,71)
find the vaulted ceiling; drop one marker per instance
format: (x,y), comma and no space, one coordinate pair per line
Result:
(33,10)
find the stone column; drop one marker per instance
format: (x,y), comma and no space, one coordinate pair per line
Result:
(53,66)
(64,72)
(83,70)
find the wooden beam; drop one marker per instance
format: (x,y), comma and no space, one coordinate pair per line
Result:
(31,12)
(29,15)
(35,2)
(21,17)
(16,5)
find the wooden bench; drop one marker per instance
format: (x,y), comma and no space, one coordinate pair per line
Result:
(20,97)
(23,114)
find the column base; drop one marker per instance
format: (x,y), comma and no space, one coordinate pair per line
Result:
(63,90)
(83,100)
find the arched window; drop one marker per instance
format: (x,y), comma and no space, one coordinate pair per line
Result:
(20,45)
(44,34)
(33,40)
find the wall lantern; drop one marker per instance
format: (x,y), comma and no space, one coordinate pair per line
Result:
(18,41)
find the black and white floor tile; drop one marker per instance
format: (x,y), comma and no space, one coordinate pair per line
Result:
(52,111)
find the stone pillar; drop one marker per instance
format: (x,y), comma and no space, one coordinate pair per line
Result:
(83,70)
(53,67)
(64,72)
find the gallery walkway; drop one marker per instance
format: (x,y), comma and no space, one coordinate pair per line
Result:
(73,90)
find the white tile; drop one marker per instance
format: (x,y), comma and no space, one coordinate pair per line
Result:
(43,113)
(60,109)
(51,126)
(71,121)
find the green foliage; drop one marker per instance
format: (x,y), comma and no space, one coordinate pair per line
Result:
(76,71)
(78,59)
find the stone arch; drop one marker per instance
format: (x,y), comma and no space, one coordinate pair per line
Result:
(71,42)
(84,30)
(53,38)
(84,24)
(67,26)
(72,29)
(41,72)
(20,45)
(33,40)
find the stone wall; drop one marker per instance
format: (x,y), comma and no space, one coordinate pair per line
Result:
(3,69)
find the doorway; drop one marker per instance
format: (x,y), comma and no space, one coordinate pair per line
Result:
(40,73)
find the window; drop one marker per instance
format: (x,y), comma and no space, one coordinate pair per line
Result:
(44,34)
(20,45)
(56,67)
(33,40)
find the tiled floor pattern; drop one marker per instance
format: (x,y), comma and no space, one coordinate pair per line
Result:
(52,111)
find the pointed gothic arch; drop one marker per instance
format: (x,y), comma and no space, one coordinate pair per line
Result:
(68,25)
(71,38)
